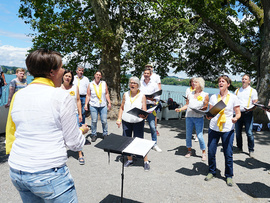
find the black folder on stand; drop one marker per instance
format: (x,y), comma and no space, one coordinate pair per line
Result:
(126,145)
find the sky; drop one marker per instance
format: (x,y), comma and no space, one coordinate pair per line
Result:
(14,41)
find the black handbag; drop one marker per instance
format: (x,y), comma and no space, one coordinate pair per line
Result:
(1,81)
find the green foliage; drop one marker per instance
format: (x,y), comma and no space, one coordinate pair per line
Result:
(10,69)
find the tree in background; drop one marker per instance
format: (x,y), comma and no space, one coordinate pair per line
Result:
(201,37)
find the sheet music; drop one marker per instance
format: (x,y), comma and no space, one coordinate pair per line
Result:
(151,109)
(268,115)
(139,147)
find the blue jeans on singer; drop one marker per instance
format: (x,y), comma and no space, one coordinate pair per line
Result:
(227,144)
(247,120)
(102,111)
(198,123)
(151,122)
(82,98)
(52,185)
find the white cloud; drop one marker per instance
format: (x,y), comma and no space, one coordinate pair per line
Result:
(14,35)
(13,56)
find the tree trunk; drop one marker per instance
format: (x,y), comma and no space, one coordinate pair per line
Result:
(110,66)
(263,86)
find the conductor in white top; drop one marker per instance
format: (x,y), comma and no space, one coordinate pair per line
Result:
(41,124)
(133,98)
(246,96)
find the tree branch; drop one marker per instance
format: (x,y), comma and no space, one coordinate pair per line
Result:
(255,10)
(234,46)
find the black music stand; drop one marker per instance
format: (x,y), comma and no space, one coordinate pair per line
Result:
(125,146)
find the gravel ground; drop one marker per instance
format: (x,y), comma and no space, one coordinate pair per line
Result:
(172,178)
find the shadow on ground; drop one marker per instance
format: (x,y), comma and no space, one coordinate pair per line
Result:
(115,199)
(255,189)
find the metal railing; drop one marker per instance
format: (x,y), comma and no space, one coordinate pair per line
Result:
(4,97)
(176,96)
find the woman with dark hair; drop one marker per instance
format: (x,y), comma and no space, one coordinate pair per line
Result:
(222,126)
(98,96)
(73,90)
(41,124)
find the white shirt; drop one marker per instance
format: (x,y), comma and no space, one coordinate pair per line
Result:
(229,109)
(188,90)
(149,88)
(81,83)
(73,93)
(46,124)
(94,100)
(243,97)
(128,105)
(154,77)
(195,103)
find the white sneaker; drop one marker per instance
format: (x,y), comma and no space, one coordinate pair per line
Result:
(156,148)
(196,139)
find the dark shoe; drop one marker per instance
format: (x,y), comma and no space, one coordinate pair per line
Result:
(128,163)
(94,138)
(146,166)
(238,150)
(209,177)
(229,182)
(81,161)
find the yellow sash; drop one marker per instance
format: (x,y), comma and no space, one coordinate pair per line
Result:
(249,98)
(222,117)
(79,79)
(131,101)
(99,93)
(45,81)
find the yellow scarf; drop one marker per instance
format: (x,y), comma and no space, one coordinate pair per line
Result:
(131,101)
(10,126)
(45,81)
(222,117)
(99,93)
(79,79)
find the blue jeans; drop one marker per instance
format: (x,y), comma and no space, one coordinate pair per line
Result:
(227,144)
(82,98)
(247,120)
(137,128)
(53,185)
(102,111)
(198,123)
(151,122)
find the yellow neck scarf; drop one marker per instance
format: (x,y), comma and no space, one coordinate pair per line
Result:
(222,117)
(45,81)
(131,101)
(99,93)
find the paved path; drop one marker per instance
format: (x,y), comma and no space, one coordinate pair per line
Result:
(172,178)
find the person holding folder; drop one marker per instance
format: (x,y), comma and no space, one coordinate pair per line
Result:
(222,126)
(246,96)
(130,123)
(195,99)
(149,87)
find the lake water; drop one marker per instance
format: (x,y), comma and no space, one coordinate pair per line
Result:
(169,91)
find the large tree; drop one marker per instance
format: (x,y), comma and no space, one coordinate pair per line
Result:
(200,37)
(221,37)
